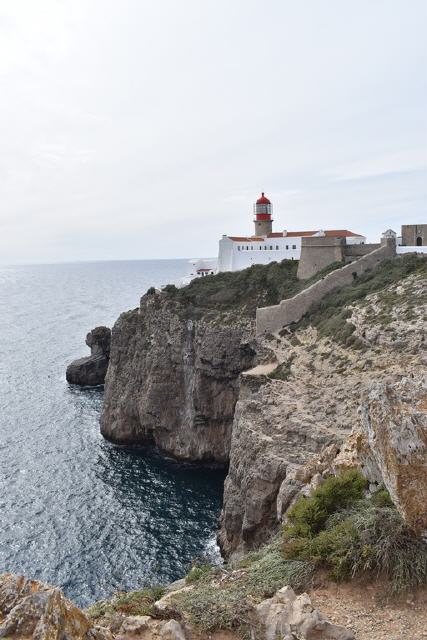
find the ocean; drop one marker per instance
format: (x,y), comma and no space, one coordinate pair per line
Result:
(76,511)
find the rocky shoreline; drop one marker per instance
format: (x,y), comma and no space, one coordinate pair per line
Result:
(345,388)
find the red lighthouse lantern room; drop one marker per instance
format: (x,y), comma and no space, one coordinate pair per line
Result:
(263,220)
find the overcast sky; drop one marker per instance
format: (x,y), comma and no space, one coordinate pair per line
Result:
(147,128)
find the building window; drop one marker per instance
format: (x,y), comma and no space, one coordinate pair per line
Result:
(271,247)
(247,248)
(238,248)
(252,246)
(419,241)
(287,247)
(294,246)
(277,247)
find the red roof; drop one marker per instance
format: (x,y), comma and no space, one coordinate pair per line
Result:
(341,233)
(330,233)
(263,199)
(245,239)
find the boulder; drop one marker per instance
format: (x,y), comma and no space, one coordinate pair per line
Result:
(394,420)
(287,616)
(91,371)
(172,630)
(31,609)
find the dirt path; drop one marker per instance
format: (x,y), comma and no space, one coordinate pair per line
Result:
(371,617)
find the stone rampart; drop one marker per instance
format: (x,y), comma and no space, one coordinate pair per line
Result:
(273,319)
(359,250)
(317,252)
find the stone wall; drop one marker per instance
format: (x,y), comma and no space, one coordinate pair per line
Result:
(317,253)
(410,233)
(359,250)
(273,319)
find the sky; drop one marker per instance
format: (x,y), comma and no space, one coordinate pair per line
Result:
(139,129)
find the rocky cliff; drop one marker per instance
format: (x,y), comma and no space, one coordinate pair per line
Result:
(291,419)
(173,379)
(184,376)
(91,370)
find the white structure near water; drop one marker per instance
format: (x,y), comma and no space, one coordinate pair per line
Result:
(239,252)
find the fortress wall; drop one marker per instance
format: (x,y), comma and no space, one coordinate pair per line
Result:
(358,250)
(410,233)
(317,253)
(273,319)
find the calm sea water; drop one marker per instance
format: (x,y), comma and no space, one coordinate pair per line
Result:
(75,511)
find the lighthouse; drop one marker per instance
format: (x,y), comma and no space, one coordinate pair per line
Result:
(263,221)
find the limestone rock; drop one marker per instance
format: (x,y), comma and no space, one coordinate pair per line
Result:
(271,441)
(91,371)
(173,379)
(172,630)
(287,432)
(133,625)
(394,418)
(286,616)
(31,609)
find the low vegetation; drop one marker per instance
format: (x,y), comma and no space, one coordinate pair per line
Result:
(339,529)
(133,603)
(283,371)
(259,285)
(331,315)
(224,599)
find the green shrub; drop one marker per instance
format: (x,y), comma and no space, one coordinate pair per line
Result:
(170,289)
(381,498)
(151,291)
(308,515)
(197,572)
(351,536)
(283,370)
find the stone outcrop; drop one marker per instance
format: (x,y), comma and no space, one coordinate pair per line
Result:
(91,371)
(173,379)
(287,616)
(390,445)
(275,432)
(31,609)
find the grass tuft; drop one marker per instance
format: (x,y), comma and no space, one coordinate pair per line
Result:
(352,536)
(133,603)
(225,599)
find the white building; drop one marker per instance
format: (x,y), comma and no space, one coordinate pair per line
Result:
(199,268)
(239,252)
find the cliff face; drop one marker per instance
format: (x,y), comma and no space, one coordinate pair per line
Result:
(288,428)
(173,379)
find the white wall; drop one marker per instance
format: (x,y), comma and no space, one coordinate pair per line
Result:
(356,240)
(225,254)
(411,249)
(237,255)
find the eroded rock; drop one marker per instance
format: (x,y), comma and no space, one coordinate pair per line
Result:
(31,609)
(287,616)
(91,371)
(394,419)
